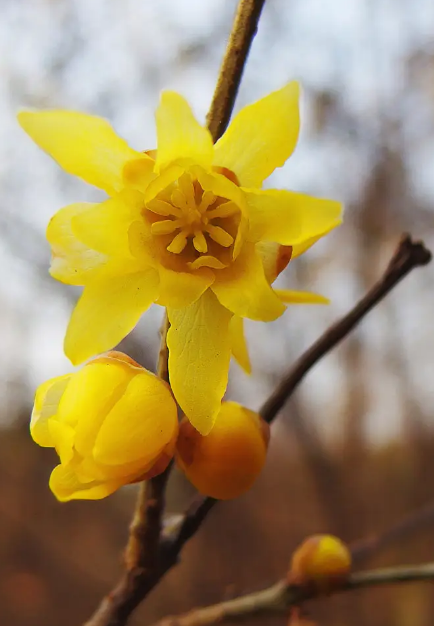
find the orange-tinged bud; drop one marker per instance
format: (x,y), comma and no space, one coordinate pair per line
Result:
(226,462)
(323,561)
(111,423)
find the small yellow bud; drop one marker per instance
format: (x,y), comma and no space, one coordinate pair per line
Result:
(226,462)
(323,561)
(111,423)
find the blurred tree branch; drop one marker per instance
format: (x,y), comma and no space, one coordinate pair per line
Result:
(282,596)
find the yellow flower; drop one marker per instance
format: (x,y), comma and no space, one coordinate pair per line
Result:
(186,226)
(225,463)
(112,423)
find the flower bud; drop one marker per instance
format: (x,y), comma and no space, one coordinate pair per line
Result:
(111,423)
(226,462)
(323,561)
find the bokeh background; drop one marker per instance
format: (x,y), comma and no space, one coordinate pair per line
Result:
(354,450)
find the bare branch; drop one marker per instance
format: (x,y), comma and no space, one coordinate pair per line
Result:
(282,596)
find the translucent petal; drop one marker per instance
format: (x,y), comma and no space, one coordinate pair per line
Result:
(180,138)
(244,289)
(65,485)
(240,350)
(47,400)
(274,257)
(83,145)
(179,289)
(107,311)
(139,425)
(199,352)
(290,218)
(261,137)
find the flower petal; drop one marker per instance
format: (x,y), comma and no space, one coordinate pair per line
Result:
(274,257)
(107,311)
(261,137)
(239,347)
(179,289)
(290,218)
(66,486)
(47,400)
(72,262)
(83,145)
(180,137)
(244,289)
(300,297)
(199,354)
(139,425)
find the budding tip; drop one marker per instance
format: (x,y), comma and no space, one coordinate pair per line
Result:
(321,561)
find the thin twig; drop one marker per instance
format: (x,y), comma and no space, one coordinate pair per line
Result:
(282,596)
(243,31)
(146,560)
(407,256)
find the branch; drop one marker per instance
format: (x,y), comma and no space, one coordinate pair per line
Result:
(282,596)
(406,257)
(231,71)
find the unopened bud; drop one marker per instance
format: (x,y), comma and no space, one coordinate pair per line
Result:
(322,561)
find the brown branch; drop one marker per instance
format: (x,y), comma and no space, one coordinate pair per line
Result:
(243,31)
(282,596)
(406,257)
(146,560)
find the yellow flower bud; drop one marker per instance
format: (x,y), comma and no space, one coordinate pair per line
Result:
(323,561)
(225,463)
(111,423)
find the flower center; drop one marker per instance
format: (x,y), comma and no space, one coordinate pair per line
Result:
(193,223)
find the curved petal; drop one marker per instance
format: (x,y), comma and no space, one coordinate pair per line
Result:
(107,311)
(199,353)
(240,351)
(290,218)
(104,227)
(179,289)
(180,137)
(72,261)
(63,437)
(274,257)
(66,486)
(47,400)
(300,297)
(83,145)
(261,136)
(243,288)
(139,425)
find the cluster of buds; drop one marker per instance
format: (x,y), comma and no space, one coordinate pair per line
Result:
(114,423)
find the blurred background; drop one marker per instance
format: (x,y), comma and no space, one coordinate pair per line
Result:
(354,449)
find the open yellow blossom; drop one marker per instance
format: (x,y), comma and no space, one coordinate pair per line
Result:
(225,463)
(112,423)
(186,226)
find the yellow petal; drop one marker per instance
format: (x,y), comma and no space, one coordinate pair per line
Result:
(290,218)
(107,311)
(63,437)
(261,137)
(243,288)
(199,352)
(83,145)
(240,350)
(104,227)
(141,423)
(180,138)
(300,297)
(47,400)
(179,289)
(301,248)
(274,257)
(72,261)
(66,486)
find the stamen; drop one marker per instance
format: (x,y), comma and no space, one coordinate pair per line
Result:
(219,235)
(178,199)
(179,242)
(223,210)
(199,242)
(207,199)
(186,186)
(163,208)
(165,227)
